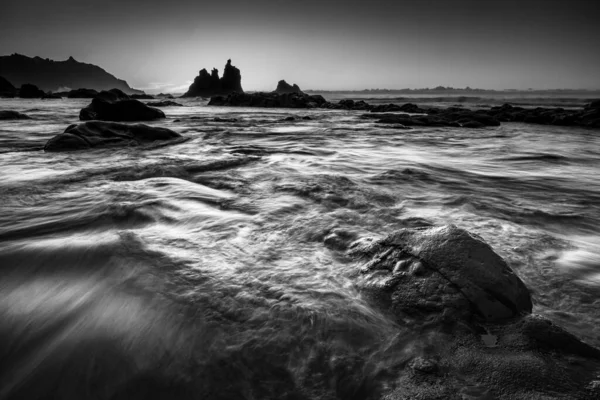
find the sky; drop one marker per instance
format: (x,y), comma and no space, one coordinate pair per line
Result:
(160,45)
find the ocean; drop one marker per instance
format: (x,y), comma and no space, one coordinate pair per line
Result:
(216,264)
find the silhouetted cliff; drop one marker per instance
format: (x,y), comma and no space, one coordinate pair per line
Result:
(51,75)
(207,85)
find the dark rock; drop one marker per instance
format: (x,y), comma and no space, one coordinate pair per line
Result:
(50,75)
(218,119)
(284,87)
(97,134)
(268,100)
(207,85)
(82,94)
(444,270)
(232,79)
(450,117)
(165,96)
(6,88)
(51,96)
(29,91)
(114,105)
(594,105)
(142,96)
(9,115)
(164,103)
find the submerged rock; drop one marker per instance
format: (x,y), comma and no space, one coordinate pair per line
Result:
(114,105)
(443,270)
(8,115)
(96,134)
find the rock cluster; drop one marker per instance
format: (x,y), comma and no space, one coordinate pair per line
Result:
(207,85)
(451,117)
(588,117)
(97,134)
(269,100)
(114,105)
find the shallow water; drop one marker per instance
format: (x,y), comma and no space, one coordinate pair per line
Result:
(205,269)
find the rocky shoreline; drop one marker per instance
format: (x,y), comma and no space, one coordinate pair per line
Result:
(475,312)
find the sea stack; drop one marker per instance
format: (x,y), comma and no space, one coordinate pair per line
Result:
(284,87)
(208,85)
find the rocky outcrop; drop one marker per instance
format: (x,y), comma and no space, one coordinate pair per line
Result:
(142,96)
(468,331)
(268,100)
(6,88)
(164,103)
(11,115)
(82,94)
(442,271)
(284,87)
(51,75)
(588,117)
(114,105)
(97,134)
(449,117)
(29,91)
(207,85)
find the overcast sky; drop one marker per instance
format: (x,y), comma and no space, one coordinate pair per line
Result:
(318,44)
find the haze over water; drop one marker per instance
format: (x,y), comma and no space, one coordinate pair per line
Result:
(211,261)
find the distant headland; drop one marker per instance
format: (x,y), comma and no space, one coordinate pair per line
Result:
(52,76)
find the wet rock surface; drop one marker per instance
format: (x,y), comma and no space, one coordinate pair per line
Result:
(96,134)
(114,105)
(457,292)
(443,270)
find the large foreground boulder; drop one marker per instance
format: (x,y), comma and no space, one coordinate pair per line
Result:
(466,328)
(96,134)
(443,271)
(114,105)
